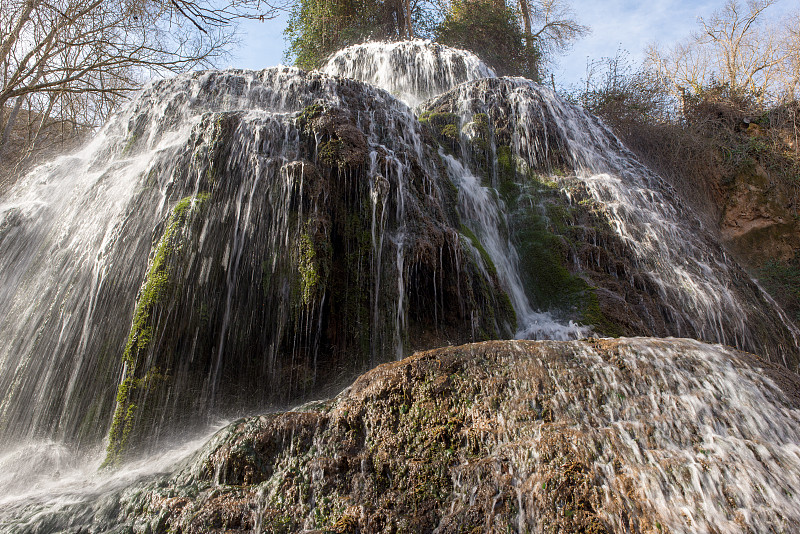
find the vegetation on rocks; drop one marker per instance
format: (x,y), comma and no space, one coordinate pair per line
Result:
(729,154)
(492,437)
(717,115)
(281,272)
(315,238)
(563,239)
(158,288)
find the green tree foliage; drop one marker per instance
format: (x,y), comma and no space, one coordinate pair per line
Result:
(494,33)
(318,28)
(516,38)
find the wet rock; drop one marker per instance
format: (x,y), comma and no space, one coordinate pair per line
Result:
(601,238)
(758,218)
(323,246)
(595,436)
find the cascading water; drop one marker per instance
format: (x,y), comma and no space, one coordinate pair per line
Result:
(485,218)
(238,239)
(631,435)
(278,214)
(413,71)
(702,292)
(48,488)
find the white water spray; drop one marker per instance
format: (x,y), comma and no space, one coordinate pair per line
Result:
(483,213)
(413,71)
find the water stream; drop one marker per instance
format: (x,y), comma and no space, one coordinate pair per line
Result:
(47,486)
(484,214)
(413,71)
(704,293)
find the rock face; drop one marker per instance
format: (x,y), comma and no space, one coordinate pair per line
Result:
(600,237)
(321,241)
(759,219)
(628,435)
(237,240)
(234,239)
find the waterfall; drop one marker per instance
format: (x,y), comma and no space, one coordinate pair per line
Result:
(413,71)
(635,435)
(703,293)
(234,241)
(76,235)
(484,216)
(231,240)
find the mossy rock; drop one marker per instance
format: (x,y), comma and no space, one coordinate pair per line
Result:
(445,128)
(157,289)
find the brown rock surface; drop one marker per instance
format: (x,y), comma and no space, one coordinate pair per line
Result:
(628,435)
(759,219)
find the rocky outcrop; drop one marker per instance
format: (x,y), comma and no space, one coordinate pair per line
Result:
(601,238)
(759,219)
(302,248)
(595,436)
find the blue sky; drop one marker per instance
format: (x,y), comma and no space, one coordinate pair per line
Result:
(616,24)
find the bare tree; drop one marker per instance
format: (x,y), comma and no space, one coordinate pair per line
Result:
(550,26)
(739,47)
(73,61)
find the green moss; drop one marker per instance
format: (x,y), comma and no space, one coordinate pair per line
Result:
(548,283)
(134,137)
(593,315)
(157,281)
(559,216)
(157,286)
(507,184)
(445,128)
(450,131)
(782,280)
(505,163)
(307,266)
(480,123)
(211,174)
(487,260)
(479,133)
(308,113)
(497,317)
(506,310)
(330,152)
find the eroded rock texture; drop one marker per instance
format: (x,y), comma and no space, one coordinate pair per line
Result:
(629,435)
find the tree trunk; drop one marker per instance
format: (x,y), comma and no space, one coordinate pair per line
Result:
(533,66)
(409,27)
(526,17)
(10,122)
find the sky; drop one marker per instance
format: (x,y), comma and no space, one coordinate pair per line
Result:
(628,25)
